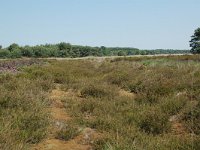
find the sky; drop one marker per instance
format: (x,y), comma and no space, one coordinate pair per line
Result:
(144,24)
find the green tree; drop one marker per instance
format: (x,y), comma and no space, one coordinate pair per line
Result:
(40,51)
(65,49)
(0,47)
(16,53)
(53,52)
(195,42)
(13,47)
(121,53)
(27,51)
(85,51)
(4,53)
(105,51)
(75,53)
(64,46)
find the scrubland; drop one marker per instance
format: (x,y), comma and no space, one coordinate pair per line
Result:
(131,103)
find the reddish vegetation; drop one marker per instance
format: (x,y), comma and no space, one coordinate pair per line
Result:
(14,65)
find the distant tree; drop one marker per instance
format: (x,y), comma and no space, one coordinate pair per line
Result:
(27,51)
(85,51)
(64,46)
(105,51)
(136,52)
(63,53)
(65,49)
(103,47)
(40,51)
(13,47)
(121,53)
(4,53)
(0,47)
(16,53)
(195,42)
(143,52)
(75,53)
(53,52)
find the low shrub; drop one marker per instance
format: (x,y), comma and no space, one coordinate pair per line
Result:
(172,105)
(32,127)
(192,119)
(118,78)
(23,118)
(88,106)
(98,90)
(153,121)
(68,133)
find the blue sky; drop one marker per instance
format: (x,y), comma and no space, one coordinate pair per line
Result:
(145,24)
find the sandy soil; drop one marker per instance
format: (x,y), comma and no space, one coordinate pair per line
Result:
(59,117)
(112,57)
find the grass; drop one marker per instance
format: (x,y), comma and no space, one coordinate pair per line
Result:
(23,118)
(163,87)
(68,132)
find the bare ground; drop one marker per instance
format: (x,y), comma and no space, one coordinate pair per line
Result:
(111,57)
(59,117)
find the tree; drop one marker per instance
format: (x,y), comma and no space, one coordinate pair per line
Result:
(0,47)
(40,51)
(27,51)
(4,53)
(16,53)
(64,46)
(65,49)
(121,53)
(195,42)
(13,47)
(85,51)
(104,51)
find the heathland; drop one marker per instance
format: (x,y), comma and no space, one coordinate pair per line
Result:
(125,103)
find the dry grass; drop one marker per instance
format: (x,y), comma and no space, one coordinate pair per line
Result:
(132,103)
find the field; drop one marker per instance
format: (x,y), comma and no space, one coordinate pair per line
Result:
(125,103)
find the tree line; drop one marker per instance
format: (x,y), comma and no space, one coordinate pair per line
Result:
(67,50)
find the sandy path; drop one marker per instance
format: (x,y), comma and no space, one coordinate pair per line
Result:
(112,57)
(59,117)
